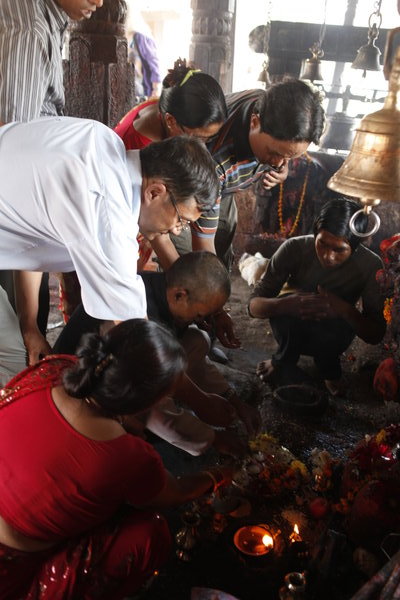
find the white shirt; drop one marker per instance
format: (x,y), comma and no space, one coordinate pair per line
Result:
(70,200)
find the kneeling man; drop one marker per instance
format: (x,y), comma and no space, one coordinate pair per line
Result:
(310,291)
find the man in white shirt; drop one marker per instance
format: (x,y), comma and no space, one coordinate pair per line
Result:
(72,198)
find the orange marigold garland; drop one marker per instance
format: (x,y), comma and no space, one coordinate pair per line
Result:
(387,309)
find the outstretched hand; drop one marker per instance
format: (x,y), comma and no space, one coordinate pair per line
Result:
(250,417)
(223,325)
(227,442)
(216,411)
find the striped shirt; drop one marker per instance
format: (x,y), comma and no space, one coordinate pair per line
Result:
(31,74)
(237,167)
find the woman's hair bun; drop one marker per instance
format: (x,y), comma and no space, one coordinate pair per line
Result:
(177,74)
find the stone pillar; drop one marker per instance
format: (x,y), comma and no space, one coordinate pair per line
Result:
(211,48)
(98,80)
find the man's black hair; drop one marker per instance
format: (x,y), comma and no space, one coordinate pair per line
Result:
(185,166)
(335,216)
(200,273)
(291,110)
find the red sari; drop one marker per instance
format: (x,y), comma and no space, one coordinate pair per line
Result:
(111,561)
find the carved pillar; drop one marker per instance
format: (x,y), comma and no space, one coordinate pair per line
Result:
(211,48)
(98,80)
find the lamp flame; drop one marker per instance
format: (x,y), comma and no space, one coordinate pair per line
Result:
(295,535)
(267,540)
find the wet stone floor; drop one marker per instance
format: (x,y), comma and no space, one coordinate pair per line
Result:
(213,561)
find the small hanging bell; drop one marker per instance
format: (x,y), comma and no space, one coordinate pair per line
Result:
(367,57)
(264,75)
(311,67)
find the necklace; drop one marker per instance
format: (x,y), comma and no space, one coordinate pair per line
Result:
(301,202)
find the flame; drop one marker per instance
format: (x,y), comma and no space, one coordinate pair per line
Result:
(295,535)
(267,540)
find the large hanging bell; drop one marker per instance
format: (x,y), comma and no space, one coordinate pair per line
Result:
(371,170)
(367,57)
(339,132)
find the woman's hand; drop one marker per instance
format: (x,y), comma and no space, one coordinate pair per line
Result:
(216,411)
(228,442)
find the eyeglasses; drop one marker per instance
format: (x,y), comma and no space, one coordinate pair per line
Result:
(183,223)
(201,138)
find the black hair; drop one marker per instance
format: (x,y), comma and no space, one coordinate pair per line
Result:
(185,166)
(335,216)
(129,369)
(291,110)
(201,274)
(197,102)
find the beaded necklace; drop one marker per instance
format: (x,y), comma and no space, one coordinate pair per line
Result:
(301,202)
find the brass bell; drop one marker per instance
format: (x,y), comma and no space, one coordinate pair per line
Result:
(371,170)
(264,75)
(339,132)
(311,67)
(368,56)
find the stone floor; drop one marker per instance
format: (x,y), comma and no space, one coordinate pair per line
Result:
(214,563)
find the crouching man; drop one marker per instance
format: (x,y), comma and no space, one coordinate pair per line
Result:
(310,291)
(194,288)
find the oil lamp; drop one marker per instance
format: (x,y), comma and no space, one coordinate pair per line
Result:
(254,540)
(295,535)
(298,549)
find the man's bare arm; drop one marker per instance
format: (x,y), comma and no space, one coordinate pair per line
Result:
(165,250)
(27,286)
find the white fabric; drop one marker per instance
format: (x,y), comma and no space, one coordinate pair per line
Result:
(70,200)
(12,349)
(177,425)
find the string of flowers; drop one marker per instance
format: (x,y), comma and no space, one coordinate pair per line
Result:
(301,201)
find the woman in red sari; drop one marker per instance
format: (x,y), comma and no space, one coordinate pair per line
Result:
(75,486)
(191,103)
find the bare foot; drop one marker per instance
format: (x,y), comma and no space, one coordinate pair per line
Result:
(265,370)
(335,386)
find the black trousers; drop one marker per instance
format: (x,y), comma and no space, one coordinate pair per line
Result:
(78,324)
(324,340)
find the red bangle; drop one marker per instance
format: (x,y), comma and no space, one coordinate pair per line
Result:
(217,481)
